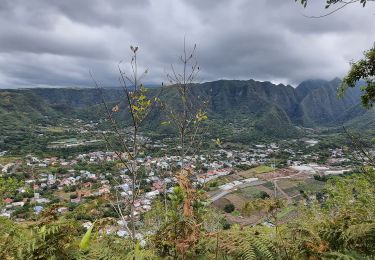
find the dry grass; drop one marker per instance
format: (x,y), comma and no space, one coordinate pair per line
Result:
(237,200)
(9,159)
(255,171)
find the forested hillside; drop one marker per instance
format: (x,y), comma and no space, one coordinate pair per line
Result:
(21,109)
(251,108)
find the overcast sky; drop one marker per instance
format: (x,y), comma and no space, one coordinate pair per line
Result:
(56,43)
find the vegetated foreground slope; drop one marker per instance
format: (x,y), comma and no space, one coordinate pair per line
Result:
(248,108)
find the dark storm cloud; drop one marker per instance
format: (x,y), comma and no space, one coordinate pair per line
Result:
(56,43)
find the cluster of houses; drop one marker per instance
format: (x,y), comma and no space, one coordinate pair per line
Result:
(334,165)
(73,142)
(237,183)
(211,175)
(337,157)
(158,178)
(314,168)
(85,184)
(7,168)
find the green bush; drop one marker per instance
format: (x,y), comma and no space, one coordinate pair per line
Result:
(229,208)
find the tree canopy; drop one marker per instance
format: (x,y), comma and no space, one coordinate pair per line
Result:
(363,69)
(329,3)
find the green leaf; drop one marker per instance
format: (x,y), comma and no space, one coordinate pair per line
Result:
(85,242)
(42,230)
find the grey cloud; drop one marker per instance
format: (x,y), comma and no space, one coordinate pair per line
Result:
(35,41)
(56,43)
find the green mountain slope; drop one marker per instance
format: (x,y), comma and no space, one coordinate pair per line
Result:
(20,109)
(320,106)
(248,108)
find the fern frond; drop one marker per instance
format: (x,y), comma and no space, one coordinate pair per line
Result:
(245,244)
(337,256)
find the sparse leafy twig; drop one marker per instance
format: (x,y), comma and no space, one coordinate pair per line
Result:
(136,103)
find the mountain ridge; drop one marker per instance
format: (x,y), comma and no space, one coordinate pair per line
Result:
(261,107)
